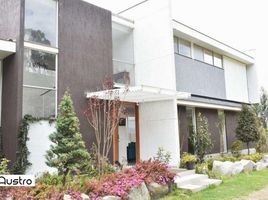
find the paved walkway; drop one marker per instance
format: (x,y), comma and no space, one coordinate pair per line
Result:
(258,195)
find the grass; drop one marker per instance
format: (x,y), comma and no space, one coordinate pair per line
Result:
(232,187)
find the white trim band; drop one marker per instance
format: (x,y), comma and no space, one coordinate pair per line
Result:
(207,105)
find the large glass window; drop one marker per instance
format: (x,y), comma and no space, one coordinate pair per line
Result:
(39,68)
(41,21)
(39,83)
(184,47)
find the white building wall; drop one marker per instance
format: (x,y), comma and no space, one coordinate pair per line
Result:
(38,144)
(235,80)
(153,44)
(159,128)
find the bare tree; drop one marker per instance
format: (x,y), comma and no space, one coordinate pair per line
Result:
(103,114)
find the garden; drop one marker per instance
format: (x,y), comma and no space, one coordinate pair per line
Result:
(84,174)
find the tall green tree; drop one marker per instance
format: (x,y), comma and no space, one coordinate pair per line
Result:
(264,107)
(68,152)
(247,128)
(201,138)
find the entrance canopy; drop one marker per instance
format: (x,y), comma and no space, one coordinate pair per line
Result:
(6,48)
(139,94)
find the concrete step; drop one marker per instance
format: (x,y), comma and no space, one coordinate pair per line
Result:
(193,188)
(177,170)
(211,182)
(190,179)
(186,173)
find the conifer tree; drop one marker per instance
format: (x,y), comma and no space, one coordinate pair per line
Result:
(68,152)
(247,128)
(201,138)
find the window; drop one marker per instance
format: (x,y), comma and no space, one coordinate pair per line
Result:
(217,60)
(184,47)
(198,53)
(39,83)
(208,57)
(41,22)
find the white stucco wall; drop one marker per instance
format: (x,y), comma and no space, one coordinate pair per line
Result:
(153,44)
(38,144)
(159,128)
(235,80)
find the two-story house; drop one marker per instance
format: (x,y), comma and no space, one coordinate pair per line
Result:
(175,72)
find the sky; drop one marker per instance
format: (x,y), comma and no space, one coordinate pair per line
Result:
(242,24)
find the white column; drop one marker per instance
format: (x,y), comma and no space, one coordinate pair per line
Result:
(159,128)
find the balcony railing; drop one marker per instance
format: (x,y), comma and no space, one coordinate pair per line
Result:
(123,72)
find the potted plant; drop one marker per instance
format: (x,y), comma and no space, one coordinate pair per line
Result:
(188,160)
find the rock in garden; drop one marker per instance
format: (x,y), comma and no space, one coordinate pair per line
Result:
(85,197)
(67,197)
(139,193)
(248,165)
(157,191)
(224,168)
(261,165)
(265,159)
(110,198)
(237,168)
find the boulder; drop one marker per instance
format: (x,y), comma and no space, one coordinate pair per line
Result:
(261,165)
(157,191)
(227,168)
(223,168)
(248,165)
(85,197)
(265,159)
(67,197)
(139,193)
(237,168)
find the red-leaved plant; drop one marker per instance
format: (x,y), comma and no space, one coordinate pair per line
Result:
(155,171)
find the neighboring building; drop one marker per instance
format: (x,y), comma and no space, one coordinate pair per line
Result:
(175,72)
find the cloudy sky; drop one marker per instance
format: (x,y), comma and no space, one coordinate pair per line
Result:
(242,24)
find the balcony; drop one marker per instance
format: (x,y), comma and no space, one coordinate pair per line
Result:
(123,72)
(6,48)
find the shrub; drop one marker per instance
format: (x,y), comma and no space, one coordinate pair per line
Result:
(236,147)
(186,158)
(68,153)
(201,168)
(201,138)
(253,157)
(155,171)
(247,128)
(262,146)
(163,156)
(118,184)
(4,166)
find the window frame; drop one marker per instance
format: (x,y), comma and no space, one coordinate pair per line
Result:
(56,28)
(179,44)
(50,50)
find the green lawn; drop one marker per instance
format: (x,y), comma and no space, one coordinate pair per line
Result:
(232,187)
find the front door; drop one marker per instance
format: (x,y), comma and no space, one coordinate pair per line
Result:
(126,137)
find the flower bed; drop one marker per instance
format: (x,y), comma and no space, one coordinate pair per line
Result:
(117,184)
